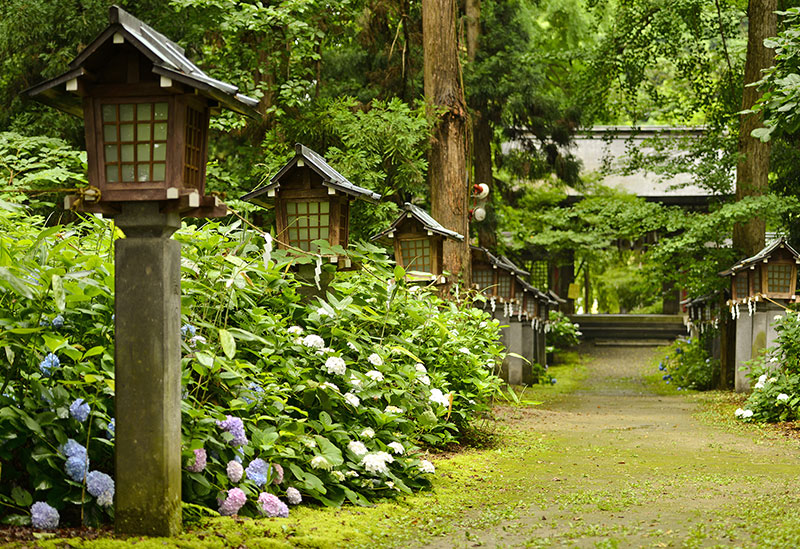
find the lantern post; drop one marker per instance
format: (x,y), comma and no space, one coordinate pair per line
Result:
(146,109)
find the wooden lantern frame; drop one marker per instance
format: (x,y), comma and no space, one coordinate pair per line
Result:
(414,226)
(306,179)
(129,64)
(757,273)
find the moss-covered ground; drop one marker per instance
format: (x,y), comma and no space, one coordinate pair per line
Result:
(606,457)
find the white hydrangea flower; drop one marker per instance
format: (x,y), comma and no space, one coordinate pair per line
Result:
(310,443)
(482,324)
(324,312)
(319,462)
(438,397)
(295,330)
(465,351)
(747,413)
(338,475)
(374,375)
(352,400)
(759,385)
(777,317)
(313,341)
(357,447)
(352,346)
(385,456)
(396,447)
(420,367)
(425,380)
(351,474)
(393,410)
(762,378)
(328,385)
(426,466)
(783,397)
(335,365)
(738,412)
(374,463)
(355,382)
(367,433)
(375,359)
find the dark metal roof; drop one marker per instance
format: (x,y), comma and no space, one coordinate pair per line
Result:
(428,222)
(168,60)
(509,265)
(330,177)
(761,256)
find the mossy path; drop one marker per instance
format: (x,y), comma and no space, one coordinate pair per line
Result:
(613,464)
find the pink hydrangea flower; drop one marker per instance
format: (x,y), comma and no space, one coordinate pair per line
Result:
(235,471)
(199,461)
(235,501)
(271,506)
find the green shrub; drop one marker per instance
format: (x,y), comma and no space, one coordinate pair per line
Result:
(688,365)
(563,334)
(375,365)
(775,376)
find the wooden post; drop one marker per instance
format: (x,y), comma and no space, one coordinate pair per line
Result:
(148,372)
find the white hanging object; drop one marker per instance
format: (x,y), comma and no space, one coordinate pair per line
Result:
(318,272)
(493,304)
(267,250)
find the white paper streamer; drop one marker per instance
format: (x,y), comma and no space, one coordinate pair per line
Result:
(318,272)
(493,304)
(267,250)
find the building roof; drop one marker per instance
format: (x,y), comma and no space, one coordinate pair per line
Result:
(330,177)
(168,58)
(428,222)
(768,250)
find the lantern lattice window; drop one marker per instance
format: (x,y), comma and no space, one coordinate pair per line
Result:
(416,254)
(504,286)
(779,278)
(741,284)
(193,165)
(307,221)
(756,280)
(484,278)
(135,141)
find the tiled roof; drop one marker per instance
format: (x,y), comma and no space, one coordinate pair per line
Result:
(428,222)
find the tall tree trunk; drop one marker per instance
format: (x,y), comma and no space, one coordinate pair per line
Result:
(447,157)
(752,170)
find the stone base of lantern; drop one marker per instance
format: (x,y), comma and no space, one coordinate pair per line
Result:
(148,373)
(527,340)
(513,364)
(753,334)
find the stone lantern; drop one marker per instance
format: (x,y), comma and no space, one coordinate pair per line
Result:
(311,201)
(418,241)
(761,286)
(146,110)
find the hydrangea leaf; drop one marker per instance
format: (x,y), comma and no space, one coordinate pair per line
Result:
(227,342)
(329,451)
(58,293)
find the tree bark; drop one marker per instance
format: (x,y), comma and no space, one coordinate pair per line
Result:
(482,167)
(752,170)
(447,158)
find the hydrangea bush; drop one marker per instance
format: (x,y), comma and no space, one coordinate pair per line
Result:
(562,333)
(687,364)
(775,376)
(330,399)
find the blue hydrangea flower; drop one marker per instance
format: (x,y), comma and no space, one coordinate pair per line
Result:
(43,516)
(58,322)
(188,331)
(101,486)
(71,448)
(79,410)
(661,366)
(553,380)
(257,471)
(77,467)
(234,426)
(48,364)
(666,377)
(111,428)
(254,393)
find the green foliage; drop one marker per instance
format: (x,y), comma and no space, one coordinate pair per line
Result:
(374,361)
(775,375)
(688,365)
(563,334)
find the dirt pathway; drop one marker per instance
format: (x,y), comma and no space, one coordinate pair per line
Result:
(614,465)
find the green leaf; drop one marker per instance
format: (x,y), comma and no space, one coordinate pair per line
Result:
(58,293)
(399,273)
(329,451)
(9,354)
(94,351)
(205,359)
(21,497)
(15,284)
(227,342)
(53,342)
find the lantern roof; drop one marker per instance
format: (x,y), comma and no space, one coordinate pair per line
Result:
(763,255)
(168,59)
(528,287)
(505,263)
(330,177)
(427,221)
(702,300)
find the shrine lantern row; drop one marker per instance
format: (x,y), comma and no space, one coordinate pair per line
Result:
(771,273)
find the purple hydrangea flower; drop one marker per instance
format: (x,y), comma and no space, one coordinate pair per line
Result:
(71,448)
(48,364)
(58,322)
(80,410)
(234,426)
(77,467)
(43,516)
(188,331)
(232,503)
(271,506)
(111,428)
(199,461)
(293,495)
(277,472)
(257,471)
(234,470)
(101,486)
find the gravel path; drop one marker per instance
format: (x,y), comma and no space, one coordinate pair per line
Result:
(614,465)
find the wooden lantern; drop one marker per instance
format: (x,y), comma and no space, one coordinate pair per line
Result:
(418,241)
(146,109)
(483,271)
(311,201)
(771,273)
